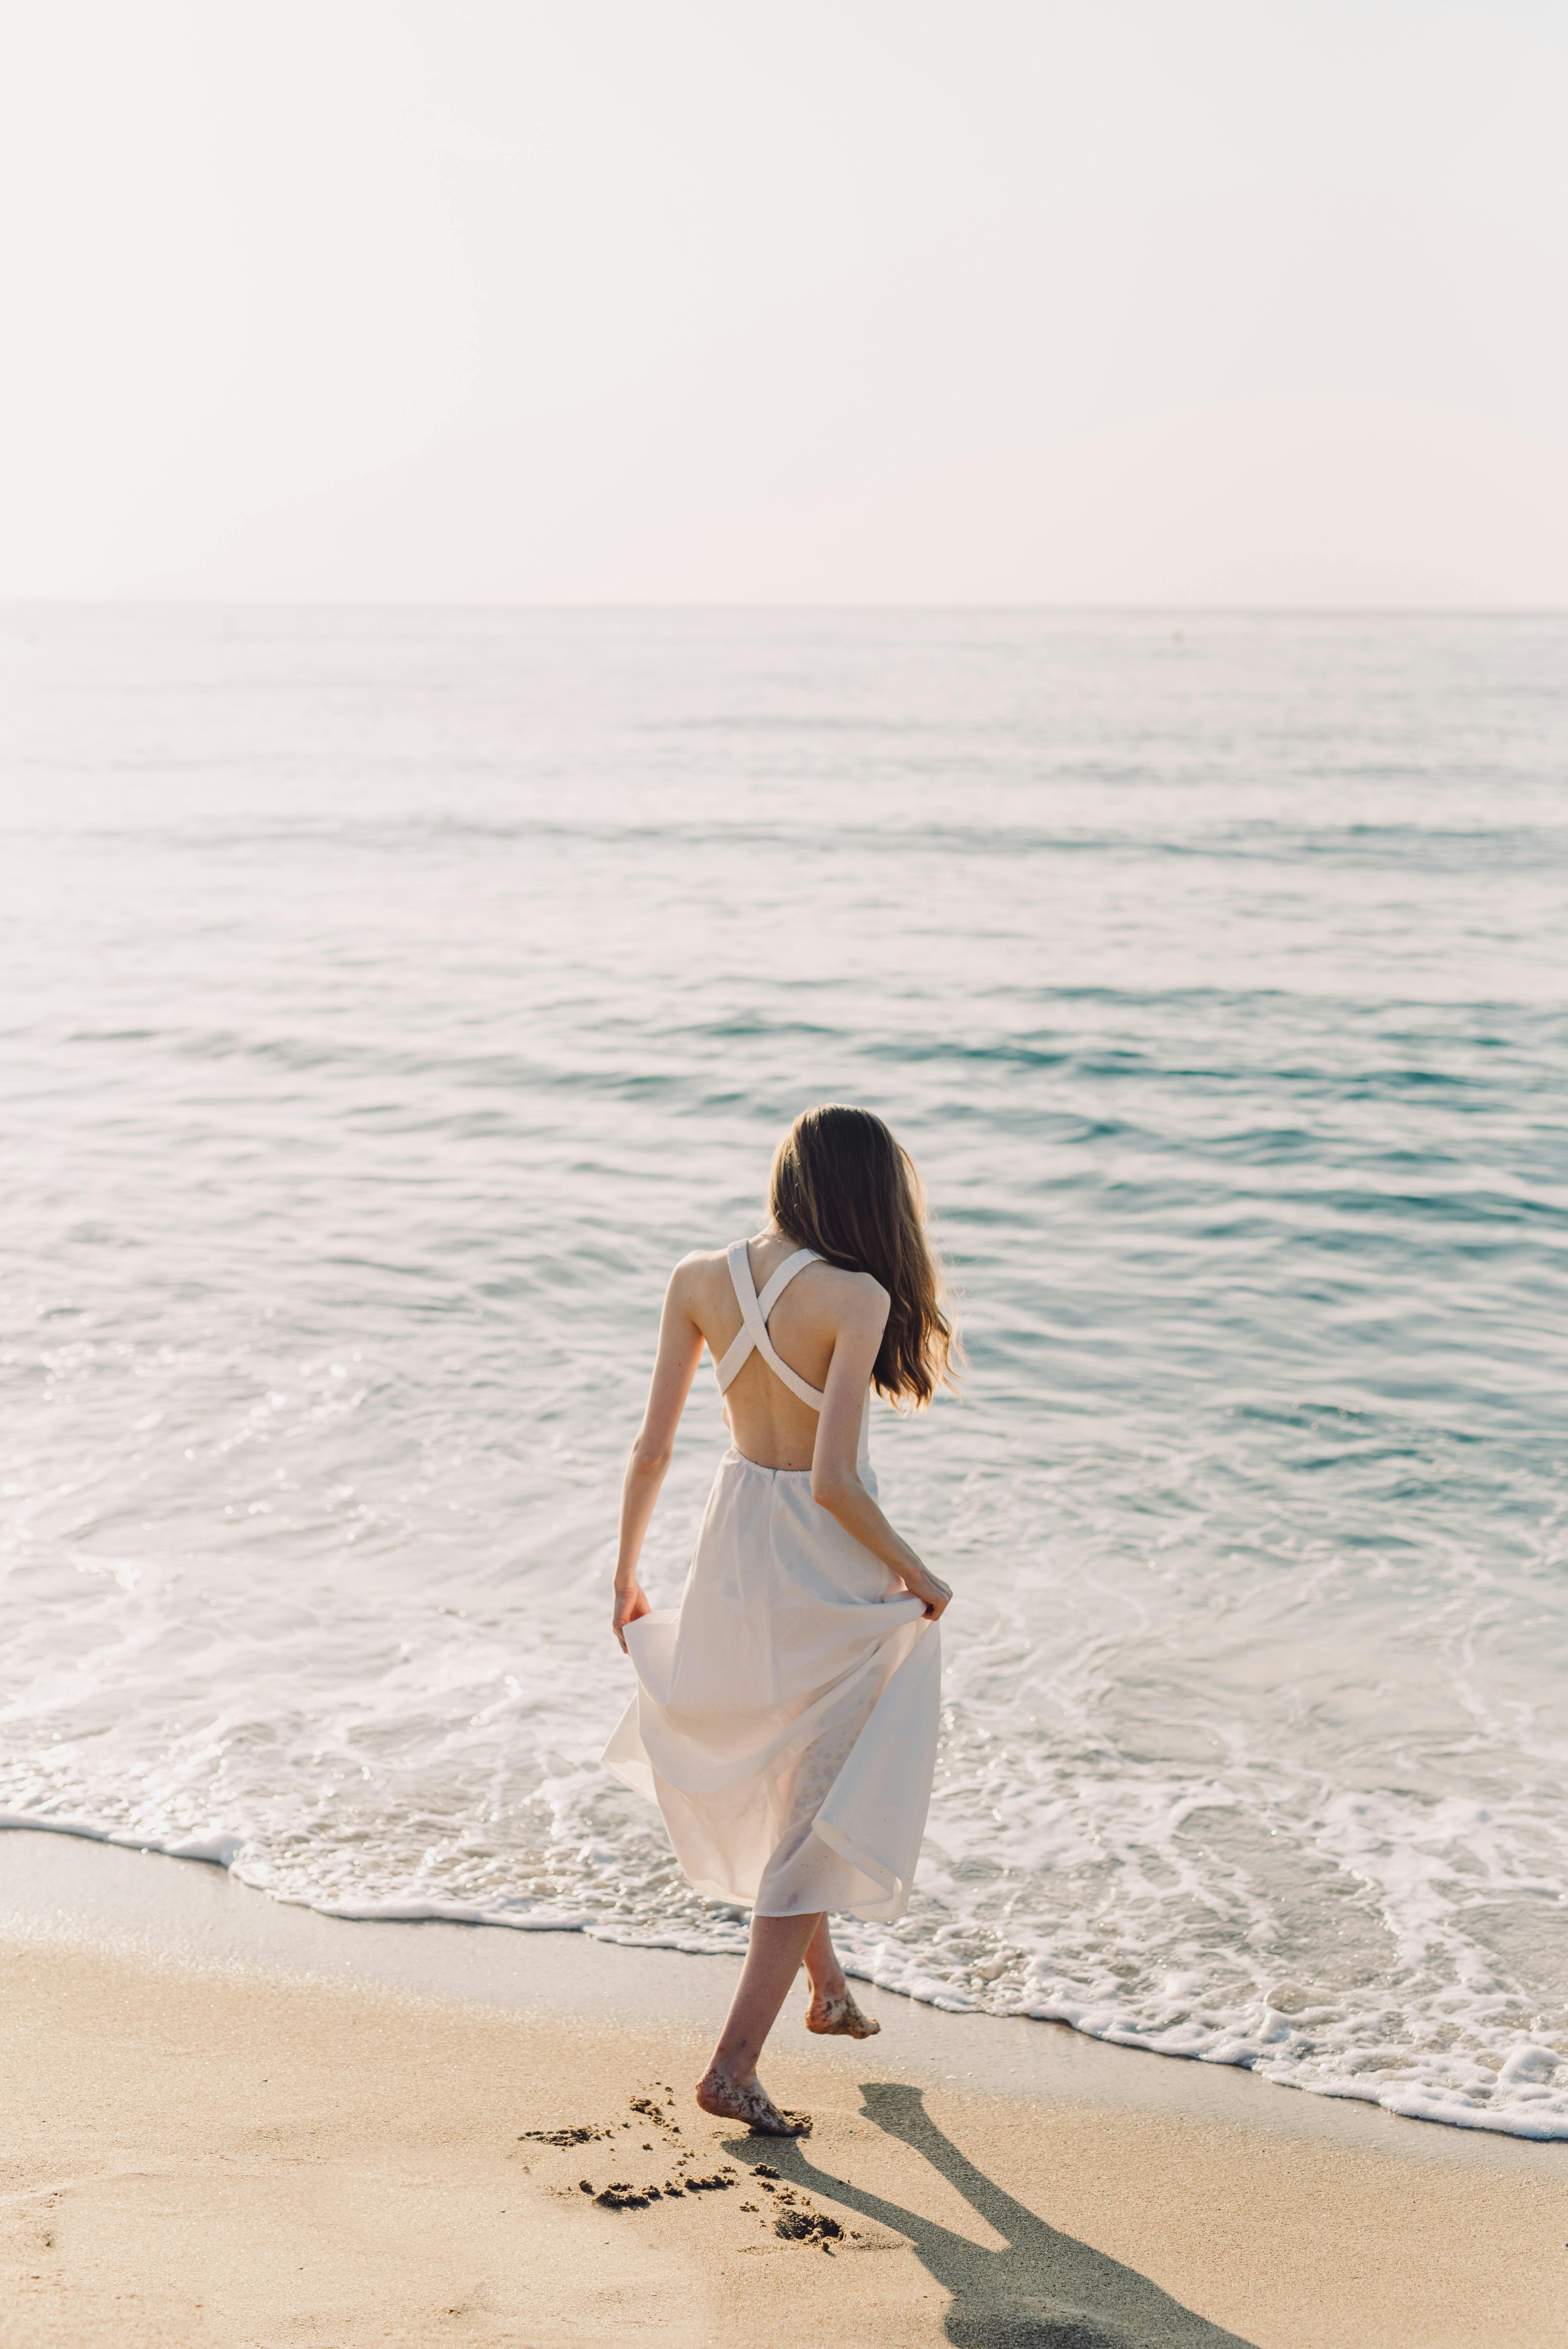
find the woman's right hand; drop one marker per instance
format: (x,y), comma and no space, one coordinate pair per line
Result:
(929,1589)
(630,1604)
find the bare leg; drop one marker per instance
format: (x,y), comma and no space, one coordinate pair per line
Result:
(833,2010)
(729,2086)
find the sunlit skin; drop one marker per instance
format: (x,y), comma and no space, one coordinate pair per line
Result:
(827,1326)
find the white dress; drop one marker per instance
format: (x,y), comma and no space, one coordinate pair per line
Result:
(785,1720)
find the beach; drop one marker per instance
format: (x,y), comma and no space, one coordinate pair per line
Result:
(1210,970)
(235,2122)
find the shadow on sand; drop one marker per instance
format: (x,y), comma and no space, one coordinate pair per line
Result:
(1044,2291)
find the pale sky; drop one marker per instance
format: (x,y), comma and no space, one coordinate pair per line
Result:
(1256,302)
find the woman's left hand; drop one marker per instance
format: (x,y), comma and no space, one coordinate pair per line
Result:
(630,1604)
(932,1593)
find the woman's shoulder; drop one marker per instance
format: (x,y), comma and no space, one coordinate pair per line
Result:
(850,1296)
(698,1270)
(703,1260)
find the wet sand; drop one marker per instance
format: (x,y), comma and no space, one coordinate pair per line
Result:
(233,2123)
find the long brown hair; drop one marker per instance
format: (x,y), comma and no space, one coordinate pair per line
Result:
(843,1185)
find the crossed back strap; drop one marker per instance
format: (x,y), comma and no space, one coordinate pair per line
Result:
(754,1312)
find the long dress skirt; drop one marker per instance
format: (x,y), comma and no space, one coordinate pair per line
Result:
(785,1719)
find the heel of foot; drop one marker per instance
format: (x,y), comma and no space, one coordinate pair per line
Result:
(841,2018)
(729,2101)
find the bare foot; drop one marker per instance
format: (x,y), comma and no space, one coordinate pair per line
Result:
(749,2101)
(840,2014)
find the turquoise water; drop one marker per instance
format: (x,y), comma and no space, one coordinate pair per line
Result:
(390,998)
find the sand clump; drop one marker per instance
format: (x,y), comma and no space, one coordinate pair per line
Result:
(809,2227)
(793,2216)
(799,2219)
(619,2195)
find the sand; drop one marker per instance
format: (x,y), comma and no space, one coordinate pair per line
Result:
(231,2123)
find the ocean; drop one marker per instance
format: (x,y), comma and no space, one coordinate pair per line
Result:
(391,997)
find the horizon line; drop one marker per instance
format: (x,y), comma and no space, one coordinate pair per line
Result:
(136,601)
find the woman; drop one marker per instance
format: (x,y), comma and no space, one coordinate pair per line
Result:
(785,1720)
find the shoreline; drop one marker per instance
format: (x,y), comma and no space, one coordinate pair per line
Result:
(183,1918)
(210,2083)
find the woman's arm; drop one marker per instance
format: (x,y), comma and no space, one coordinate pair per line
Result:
(680,1350)
(835,1470)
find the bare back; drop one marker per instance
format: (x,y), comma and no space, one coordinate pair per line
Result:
(770,1424)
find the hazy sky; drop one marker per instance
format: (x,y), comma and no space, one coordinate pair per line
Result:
(629,300)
